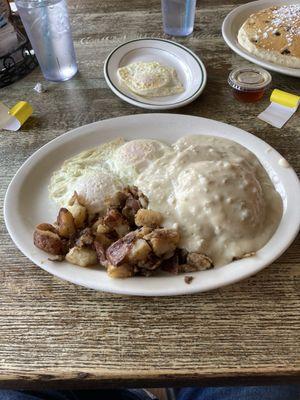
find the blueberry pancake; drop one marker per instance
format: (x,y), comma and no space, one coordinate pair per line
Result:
(273,34)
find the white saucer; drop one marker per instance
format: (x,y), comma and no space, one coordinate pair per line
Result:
(189,67)
(235,20)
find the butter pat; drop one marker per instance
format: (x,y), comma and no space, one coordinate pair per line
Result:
(12,119)
(283,106)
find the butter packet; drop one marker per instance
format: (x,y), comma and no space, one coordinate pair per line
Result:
(12,119)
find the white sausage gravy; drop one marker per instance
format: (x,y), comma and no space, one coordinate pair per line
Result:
(217,193)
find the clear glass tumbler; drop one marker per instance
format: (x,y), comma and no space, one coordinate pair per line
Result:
(178,16)
(48,28)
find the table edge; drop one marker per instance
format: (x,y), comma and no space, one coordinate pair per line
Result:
(103,378)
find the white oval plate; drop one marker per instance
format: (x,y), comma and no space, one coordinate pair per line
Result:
(189,67)
(235,19)
(27,202)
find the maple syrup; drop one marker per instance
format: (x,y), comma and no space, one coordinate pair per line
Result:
(249,84)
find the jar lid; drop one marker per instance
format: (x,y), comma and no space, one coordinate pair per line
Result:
(249,78)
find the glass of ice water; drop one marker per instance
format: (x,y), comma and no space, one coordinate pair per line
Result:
(178,16)
(47,25)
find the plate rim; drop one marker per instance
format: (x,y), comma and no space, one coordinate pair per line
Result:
(146,105)
(186,289)
(281,69)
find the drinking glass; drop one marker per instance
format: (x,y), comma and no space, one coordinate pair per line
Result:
(48,28)
(178,16)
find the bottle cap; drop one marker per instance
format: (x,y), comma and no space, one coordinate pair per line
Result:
(248,79)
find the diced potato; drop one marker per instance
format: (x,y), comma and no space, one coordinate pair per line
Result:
(139,251)
(73,199)
(162,246)
(146,217)
(82,256)
(99,223)
(163,241)
(66,224)
(100,251)
(116,221)
(122,271)
(102,228)
(199,261)
(44,226)
(117,200)
(48,241)
(143,231)
(131,208)
(117,252)
(79,213)
(103,240)
(143,199)
(122,229)
(86,238)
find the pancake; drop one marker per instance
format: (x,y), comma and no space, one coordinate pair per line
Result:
(273,34)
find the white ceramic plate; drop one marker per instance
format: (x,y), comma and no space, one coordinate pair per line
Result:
(189,67)
(27,203)
(235,20)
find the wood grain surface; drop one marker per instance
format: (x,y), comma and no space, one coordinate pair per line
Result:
(55,334)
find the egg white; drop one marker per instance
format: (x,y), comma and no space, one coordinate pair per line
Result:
(93,162)
(98,173)
(133,157)
(150,79)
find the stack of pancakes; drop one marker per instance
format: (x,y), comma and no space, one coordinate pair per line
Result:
(273,34)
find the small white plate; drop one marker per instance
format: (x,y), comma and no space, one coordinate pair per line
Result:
(189,67)
(235,19)
(27,203)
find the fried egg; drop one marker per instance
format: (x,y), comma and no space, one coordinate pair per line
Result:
(90,166)
(150,79)
(93,188)
(98,173)
(133,157)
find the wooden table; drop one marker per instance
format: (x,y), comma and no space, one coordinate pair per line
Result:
(55,334)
